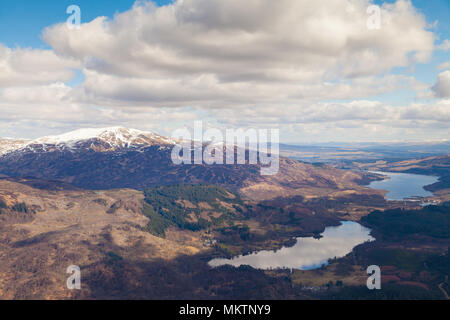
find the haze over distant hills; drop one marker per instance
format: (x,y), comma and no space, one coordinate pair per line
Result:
(339,151)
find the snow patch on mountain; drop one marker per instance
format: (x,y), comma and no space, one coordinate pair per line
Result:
(8,145)
(114,137)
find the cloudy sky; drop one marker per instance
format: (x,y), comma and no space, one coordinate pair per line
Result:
(319,70)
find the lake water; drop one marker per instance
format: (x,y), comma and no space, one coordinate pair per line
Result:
(307,253)
(404,185)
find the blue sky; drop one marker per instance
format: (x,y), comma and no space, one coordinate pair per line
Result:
(153,90)
(434,10)
(21,22)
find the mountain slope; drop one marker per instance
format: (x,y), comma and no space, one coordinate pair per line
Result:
(126,158)
(67,227)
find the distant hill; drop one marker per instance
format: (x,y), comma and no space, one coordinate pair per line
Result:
(437,166)
(349,152)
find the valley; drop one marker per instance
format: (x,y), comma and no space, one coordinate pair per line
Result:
(140,227)
(121,257)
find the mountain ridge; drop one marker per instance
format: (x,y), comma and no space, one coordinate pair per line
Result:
(113,138)
(117,157)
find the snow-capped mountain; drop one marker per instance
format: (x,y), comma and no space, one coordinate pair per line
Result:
(110,158)
(9,145)
(118,137)
(106,158)
(98,139)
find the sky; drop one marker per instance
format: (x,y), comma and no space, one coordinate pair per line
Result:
(320,71)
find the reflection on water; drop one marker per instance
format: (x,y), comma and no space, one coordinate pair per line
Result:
(307,253)
(404,185)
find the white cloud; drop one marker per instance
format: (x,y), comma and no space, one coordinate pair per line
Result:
(445,65)
(442,86)
(444,46)
(211,50)
(52,109)
(258,63)
(24,67)
(30,112)
(206,91)
(349,121)
(322,112)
